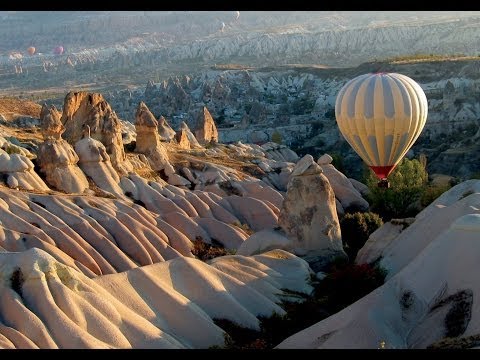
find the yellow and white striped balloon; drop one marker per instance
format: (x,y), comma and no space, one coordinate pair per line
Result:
(381,115)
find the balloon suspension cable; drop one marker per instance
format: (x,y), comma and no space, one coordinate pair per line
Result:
(384,183)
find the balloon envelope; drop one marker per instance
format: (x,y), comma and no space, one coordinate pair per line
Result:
(381,115)
(58,50)
(31,50)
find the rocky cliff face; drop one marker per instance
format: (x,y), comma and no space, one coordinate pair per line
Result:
(205,130)
(81,109)
(309,217)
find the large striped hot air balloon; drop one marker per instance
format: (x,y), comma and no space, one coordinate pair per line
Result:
(31,50)
(381,115)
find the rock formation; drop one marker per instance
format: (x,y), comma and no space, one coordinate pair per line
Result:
(186,139)
(148,140)
(83,108)
(19,172)
(169,305)
(56,157)
(309,217)
(95,163)
(205,129)
(345,192)
(50,123)
(164,130)
(431,302)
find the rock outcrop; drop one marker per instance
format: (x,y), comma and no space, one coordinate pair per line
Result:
(56,157)
(169,305)
(205,129)
(95,163)
(309,217)
(81,109)
(19,172)
(431,302)
(345,192)
(186,139)
(148,140)
(164,130)
(50,123)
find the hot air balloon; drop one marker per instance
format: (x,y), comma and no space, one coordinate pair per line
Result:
(223,26)
(31,50)
(58,50)
(381,115)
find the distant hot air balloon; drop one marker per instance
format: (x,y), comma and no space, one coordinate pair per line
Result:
(58,50)
(223,26)
(237,15)
(31,50)
(381,115)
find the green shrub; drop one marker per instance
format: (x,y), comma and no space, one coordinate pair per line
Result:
(431,192)
(337,161)
(407,183)
(356,229)
(277,137)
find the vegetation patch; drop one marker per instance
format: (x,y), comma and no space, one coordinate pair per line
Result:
(356,228)
(205,252)
(407,184)
(16,281)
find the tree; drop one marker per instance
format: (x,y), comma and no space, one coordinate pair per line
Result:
(407,184)
(277,137)
(356,229)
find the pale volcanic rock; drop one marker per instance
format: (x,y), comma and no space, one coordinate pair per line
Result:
(96,235)
(56,157)
(58,161)
(19,172)
(148,139)
(263,241)
(260,190)
(129,133)
(360,187)
(187,226)
(205,129)
(165,131)
(325,159)
(462,199)
(253,212)
(95,163)
(380,239)
(50,123)
(343,188)
(9,147)
(186,138)
(81,109)
(182,140)
(228,235)
(308,215)
(432,298)
(218,211)
(152,198)
(48,304)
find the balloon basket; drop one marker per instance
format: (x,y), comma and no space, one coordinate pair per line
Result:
(384,183)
